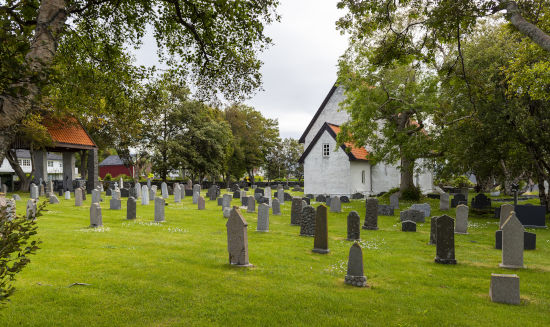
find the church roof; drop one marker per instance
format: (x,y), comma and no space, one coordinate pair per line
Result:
(353,152)
(69,133)
(327,98)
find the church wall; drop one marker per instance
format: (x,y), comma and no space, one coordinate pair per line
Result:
(356,177)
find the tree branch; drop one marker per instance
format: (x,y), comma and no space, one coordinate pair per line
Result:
(526,28)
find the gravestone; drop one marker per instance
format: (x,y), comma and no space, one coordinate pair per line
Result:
(505,289)
(220,202)
(244,201)
(296,212)
(115,204)
(213,192)
(237,239)
(96,196)
(251,204)
(78,197)
(226,201)
(164,190)
(83,191)
(96,219)
(125,192)
(422,207)
(344,199)
(41,191)
(307,200)
(131,208)
(531,216)
(201,203)
(237,195)
(529,240)
(461,219)
(144,195)
(320,243)
(394,200)
(60,192)
(457,199)
(177,193)
(327,201)
(116,194)
(385,210)
(354,229)
(276,207)
(357,196)
(196,193)
(31,209)
(408,226)
(288,197)
(257,196)
(53,199)
(242,194)
(412,215)
(263,218)
(16,197)
(433,230)
(335,205)
(481,201)
(137,191)
(108,192)
(321,198)
(148,183)
(226,212)
(307,223)
(34,191)
(152,192)
(159,209)
(355,275)
(445,240)
(259,191)
(512,243)
(444,202)
(263,199)
(267,194)
(371,214)
(505,212)
(281,196)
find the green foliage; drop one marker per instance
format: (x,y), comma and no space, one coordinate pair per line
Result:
(16,245)
(412,193)
(108,177)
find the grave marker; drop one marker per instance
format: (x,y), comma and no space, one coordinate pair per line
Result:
(355,275)
(237,239)
(320,244)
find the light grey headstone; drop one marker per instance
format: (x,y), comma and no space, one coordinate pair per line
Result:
(144,195)
(251,204)
(16,197)
(177,193)
(152,192)
(137,190)
(263,218)
(201,203)
(335,205)
(281,196)
(96,219)
(148,184)
(276,207)
(394,200)
(505,289)
(78,197)
(116,194)
(164,190)
(512,243)
(505,212)
(131,208)
(196,193)
(444,202)
(34,191)
(226,212)
(121,183)
(355,275)
(267,194)
(67,195)
(423,207)
(53,199)
(226,201)
(115,204)
(96,196)
(31,209)
(237,239)
(243,194)
(159,209)
(461,224)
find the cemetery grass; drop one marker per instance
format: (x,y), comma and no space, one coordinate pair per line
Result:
(177,273)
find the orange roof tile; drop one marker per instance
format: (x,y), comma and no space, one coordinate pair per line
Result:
(360,153)
(68,131)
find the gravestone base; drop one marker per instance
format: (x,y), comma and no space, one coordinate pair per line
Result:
(462,233)
(369,227)
(511,266)
(445,261)
(357,281)
(504,289)
(321,251)
(241,266)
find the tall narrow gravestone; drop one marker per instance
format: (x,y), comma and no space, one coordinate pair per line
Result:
(144,195)
(445,240)
(394,200)
(201,203)
(505,212)
(67,195)
(237,239)
(96,196)
(433,230)
(371,214)
(164,190)
(251,205)
(444,202)
(131,208)
(335,204)
(320,244)
(153,192)
(137,190)
(159,209)
(263,218)
(354,231)
(276,207)
(296,211)
(78,197)
(177,193)
(281,196)
(96,220)
(226,201)
(34,191)
(196,193)
(115,203)
(512,243)
(267,194)
(461,219)
(307,224)
(31,209)
(356,275)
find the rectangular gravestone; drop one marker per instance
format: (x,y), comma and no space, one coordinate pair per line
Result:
(307,222)
(320,243)
(251,204)
(159,209)
(457,199)
(512,243)
(505,289)
(296,211)
(412,215)
(445,240)
(201,203)
(422,207)
(461,219)
(96,219)
(276,207)
(408,226)
(131,208)
(237,239)
(531,216)
(263,218)
(371,214)
(354,229)
(335,204)
(385,210)
(444,202)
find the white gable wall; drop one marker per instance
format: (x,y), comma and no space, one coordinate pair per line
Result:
(329,114)
(356,184)
(326,175)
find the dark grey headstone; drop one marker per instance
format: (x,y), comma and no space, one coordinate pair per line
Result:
(355,275)
(124,192)
(344,199)
(307,200)
(108,192)
(259,191)
(445,240)
(131,208)
(456,199)
(320,244)
(288,197)
(310,196)
(263,200)
(408,226)
(354,229)
(385,210)
(371,214)
(357,196)
(307,224)
(412,215)
(481,201)
(251,204)
(529,240)
(296,211)
(237,195)
(321,198)
(220,201)
(531,216)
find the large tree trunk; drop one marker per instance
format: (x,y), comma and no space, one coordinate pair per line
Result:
(13,108)
(530,30)
(11,156)
(251,175)
(542,193)
(407,174)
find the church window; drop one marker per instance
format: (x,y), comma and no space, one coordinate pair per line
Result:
(326,149)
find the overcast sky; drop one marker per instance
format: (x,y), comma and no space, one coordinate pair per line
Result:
(299,69)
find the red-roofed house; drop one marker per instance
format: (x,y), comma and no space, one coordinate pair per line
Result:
(346,169)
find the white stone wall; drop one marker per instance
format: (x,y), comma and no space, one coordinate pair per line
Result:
(384,177)
(356,177)
(326,175)
(330,114)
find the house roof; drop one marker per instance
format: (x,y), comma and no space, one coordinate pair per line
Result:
(112,160)
(327,98)
(353,152)
(69,133)
(26,154)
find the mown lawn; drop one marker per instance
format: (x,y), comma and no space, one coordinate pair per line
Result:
(177,273)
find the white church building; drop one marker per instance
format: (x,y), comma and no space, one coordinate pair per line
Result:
(329,169)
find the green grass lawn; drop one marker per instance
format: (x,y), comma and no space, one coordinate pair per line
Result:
(177,273)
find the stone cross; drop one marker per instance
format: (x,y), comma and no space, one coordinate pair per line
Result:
(444,202)
(144,195)
(78,197)
(445,240)
(164,190)
(96,219)
(461,219)
(320,244)
(335,204)
(307,224)
(355,275)
(237,239)
(394,200)
(196,193)
(251,204)
(296,211)
(201,205)
(512,243)
(276,207)
(371,214)
(159,209)
(505,212)
(504,289)
(131,208)
(263,218)
(354,230)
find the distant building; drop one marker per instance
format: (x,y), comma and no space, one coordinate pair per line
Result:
(346,169)
(115,166)
(54,165)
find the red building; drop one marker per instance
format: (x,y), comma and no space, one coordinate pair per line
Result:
(113,165)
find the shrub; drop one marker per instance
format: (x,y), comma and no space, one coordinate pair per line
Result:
(413,193)
(108,177)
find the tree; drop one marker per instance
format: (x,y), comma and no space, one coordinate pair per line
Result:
(208,43)
(255,137)
(292,151)
(275,166)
